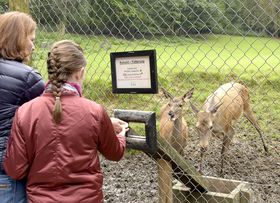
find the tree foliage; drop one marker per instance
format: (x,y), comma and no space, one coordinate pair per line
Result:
(139,18)
(3,6)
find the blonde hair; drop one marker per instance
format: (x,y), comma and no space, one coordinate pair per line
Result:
(15,27)
(65,58)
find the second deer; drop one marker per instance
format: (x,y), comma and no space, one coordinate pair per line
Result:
(173,129)
(219,113)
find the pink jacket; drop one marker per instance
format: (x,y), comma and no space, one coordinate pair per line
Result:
(61,161)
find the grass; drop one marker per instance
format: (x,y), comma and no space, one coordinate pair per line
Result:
(182,63)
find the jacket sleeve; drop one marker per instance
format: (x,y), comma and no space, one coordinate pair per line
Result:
(111,146)
(35,85)
(15,160)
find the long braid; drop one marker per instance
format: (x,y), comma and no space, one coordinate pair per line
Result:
(56,82)
(64,59)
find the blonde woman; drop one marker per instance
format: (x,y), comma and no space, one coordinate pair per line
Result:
(56,137)
(19,83)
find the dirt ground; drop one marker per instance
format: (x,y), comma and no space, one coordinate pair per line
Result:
(134,179)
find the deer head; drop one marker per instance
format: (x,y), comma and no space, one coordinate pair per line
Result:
(176,103)
(204,123)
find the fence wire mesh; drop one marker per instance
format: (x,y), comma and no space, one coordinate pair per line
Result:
(202,44)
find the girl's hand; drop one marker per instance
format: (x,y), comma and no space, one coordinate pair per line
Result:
(120,126)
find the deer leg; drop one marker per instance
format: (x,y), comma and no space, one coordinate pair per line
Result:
(250,117)
(226,142)
(202,152)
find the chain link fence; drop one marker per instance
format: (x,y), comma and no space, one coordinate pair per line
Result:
(202,44)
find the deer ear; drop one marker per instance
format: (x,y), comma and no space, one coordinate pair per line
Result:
(195,110)
(215,108)
(166,94)
(188,95)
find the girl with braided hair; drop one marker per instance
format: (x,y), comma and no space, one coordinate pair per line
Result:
(56,137)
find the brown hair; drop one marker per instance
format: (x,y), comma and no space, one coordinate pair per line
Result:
(15,27)
(65,58)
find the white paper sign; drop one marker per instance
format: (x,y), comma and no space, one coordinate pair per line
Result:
(133,72)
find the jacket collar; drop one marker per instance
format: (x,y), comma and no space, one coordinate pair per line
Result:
(66,88)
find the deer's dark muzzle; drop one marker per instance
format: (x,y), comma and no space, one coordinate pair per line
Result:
(204,141)
(171,114)
(203,149)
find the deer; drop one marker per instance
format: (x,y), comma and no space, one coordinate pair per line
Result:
(174,130)
(219,113)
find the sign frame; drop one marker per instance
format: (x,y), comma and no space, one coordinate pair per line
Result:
(151,54)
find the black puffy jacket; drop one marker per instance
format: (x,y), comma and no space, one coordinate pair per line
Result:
(19,83)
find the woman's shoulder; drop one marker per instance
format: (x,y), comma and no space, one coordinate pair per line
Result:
(14,63)
(16,69)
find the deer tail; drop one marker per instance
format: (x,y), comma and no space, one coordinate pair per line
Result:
(248,113)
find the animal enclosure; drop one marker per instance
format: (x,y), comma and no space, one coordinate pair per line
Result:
(201,44)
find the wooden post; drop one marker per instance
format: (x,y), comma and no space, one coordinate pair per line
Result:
(19,5)
(156,147)
(147,143)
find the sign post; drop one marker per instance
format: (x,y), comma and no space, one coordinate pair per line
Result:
(134,72)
